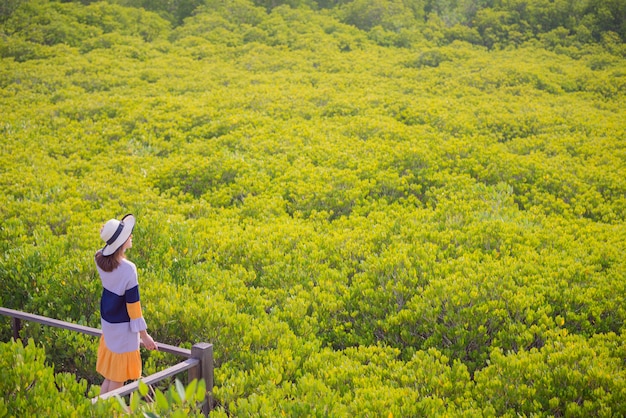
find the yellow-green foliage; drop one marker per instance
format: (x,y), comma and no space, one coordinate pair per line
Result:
(416,212)
(31,388)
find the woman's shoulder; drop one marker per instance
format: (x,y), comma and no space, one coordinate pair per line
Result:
(128,265)
(125,275)
(127,262)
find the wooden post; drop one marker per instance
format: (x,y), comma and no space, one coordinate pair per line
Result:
(17,327)
(204,353)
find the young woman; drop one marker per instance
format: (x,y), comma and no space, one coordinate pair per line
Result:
(123,326)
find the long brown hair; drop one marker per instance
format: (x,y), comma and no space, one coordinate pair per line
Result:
(109,263)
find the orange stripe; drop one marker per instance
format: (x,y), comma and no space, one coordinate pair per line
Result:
(118,367)
(134,310)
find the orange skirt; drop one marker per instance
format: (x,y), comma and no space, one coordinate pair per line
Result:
(118,367)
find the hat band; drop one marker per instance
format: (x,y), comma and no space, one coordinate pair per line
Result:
(120,227)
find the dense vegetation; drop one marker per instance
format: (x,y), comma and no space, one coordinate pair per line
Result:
(370,208)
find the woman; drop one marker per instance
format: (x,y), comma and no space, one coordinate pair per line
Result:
(122,322)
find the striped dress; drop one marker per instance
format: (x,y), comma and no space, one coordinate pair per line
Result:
(121,320)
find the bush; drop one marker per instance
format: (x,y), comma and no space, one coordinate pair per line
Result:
(28,386)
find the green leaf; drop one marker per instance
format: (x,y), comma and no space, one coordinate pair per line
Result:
(121,402)
(190,390)
(134,402)
(181,390)
(161,401)
(174,396)
(201,390)
(143,388)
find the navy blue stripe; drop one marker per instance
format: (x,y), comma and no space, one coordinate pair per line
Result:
(113,308)
(132,295)
(117,233)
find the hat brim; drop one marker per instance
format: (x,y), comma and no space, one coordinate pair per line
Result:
(129,224)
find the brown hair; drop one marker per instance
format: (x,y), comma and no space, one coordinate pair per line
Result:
(109,263)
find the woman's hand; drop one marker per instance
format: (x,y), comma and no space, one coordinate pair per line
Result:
(147,341)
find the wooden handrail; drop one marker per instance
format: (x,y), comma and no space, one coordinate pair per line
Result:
(199,361)
(50,321)
(152,379)
(172,349)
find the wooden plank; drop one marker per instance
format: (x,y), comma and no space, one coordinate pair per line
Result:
(172,349)
(51,322)
(167,348)
(152,379)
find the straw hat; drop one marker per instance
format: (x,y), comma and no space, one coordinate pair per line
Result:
(115,233)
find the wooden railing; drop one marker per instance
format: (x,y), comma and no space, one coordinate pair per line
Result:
(198,363)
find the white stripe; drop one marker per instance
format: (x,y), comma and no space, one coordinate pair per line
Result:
(119,338)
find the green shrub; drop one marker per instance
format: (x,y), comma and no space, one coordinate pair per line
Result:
(419,217)
(30,387)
